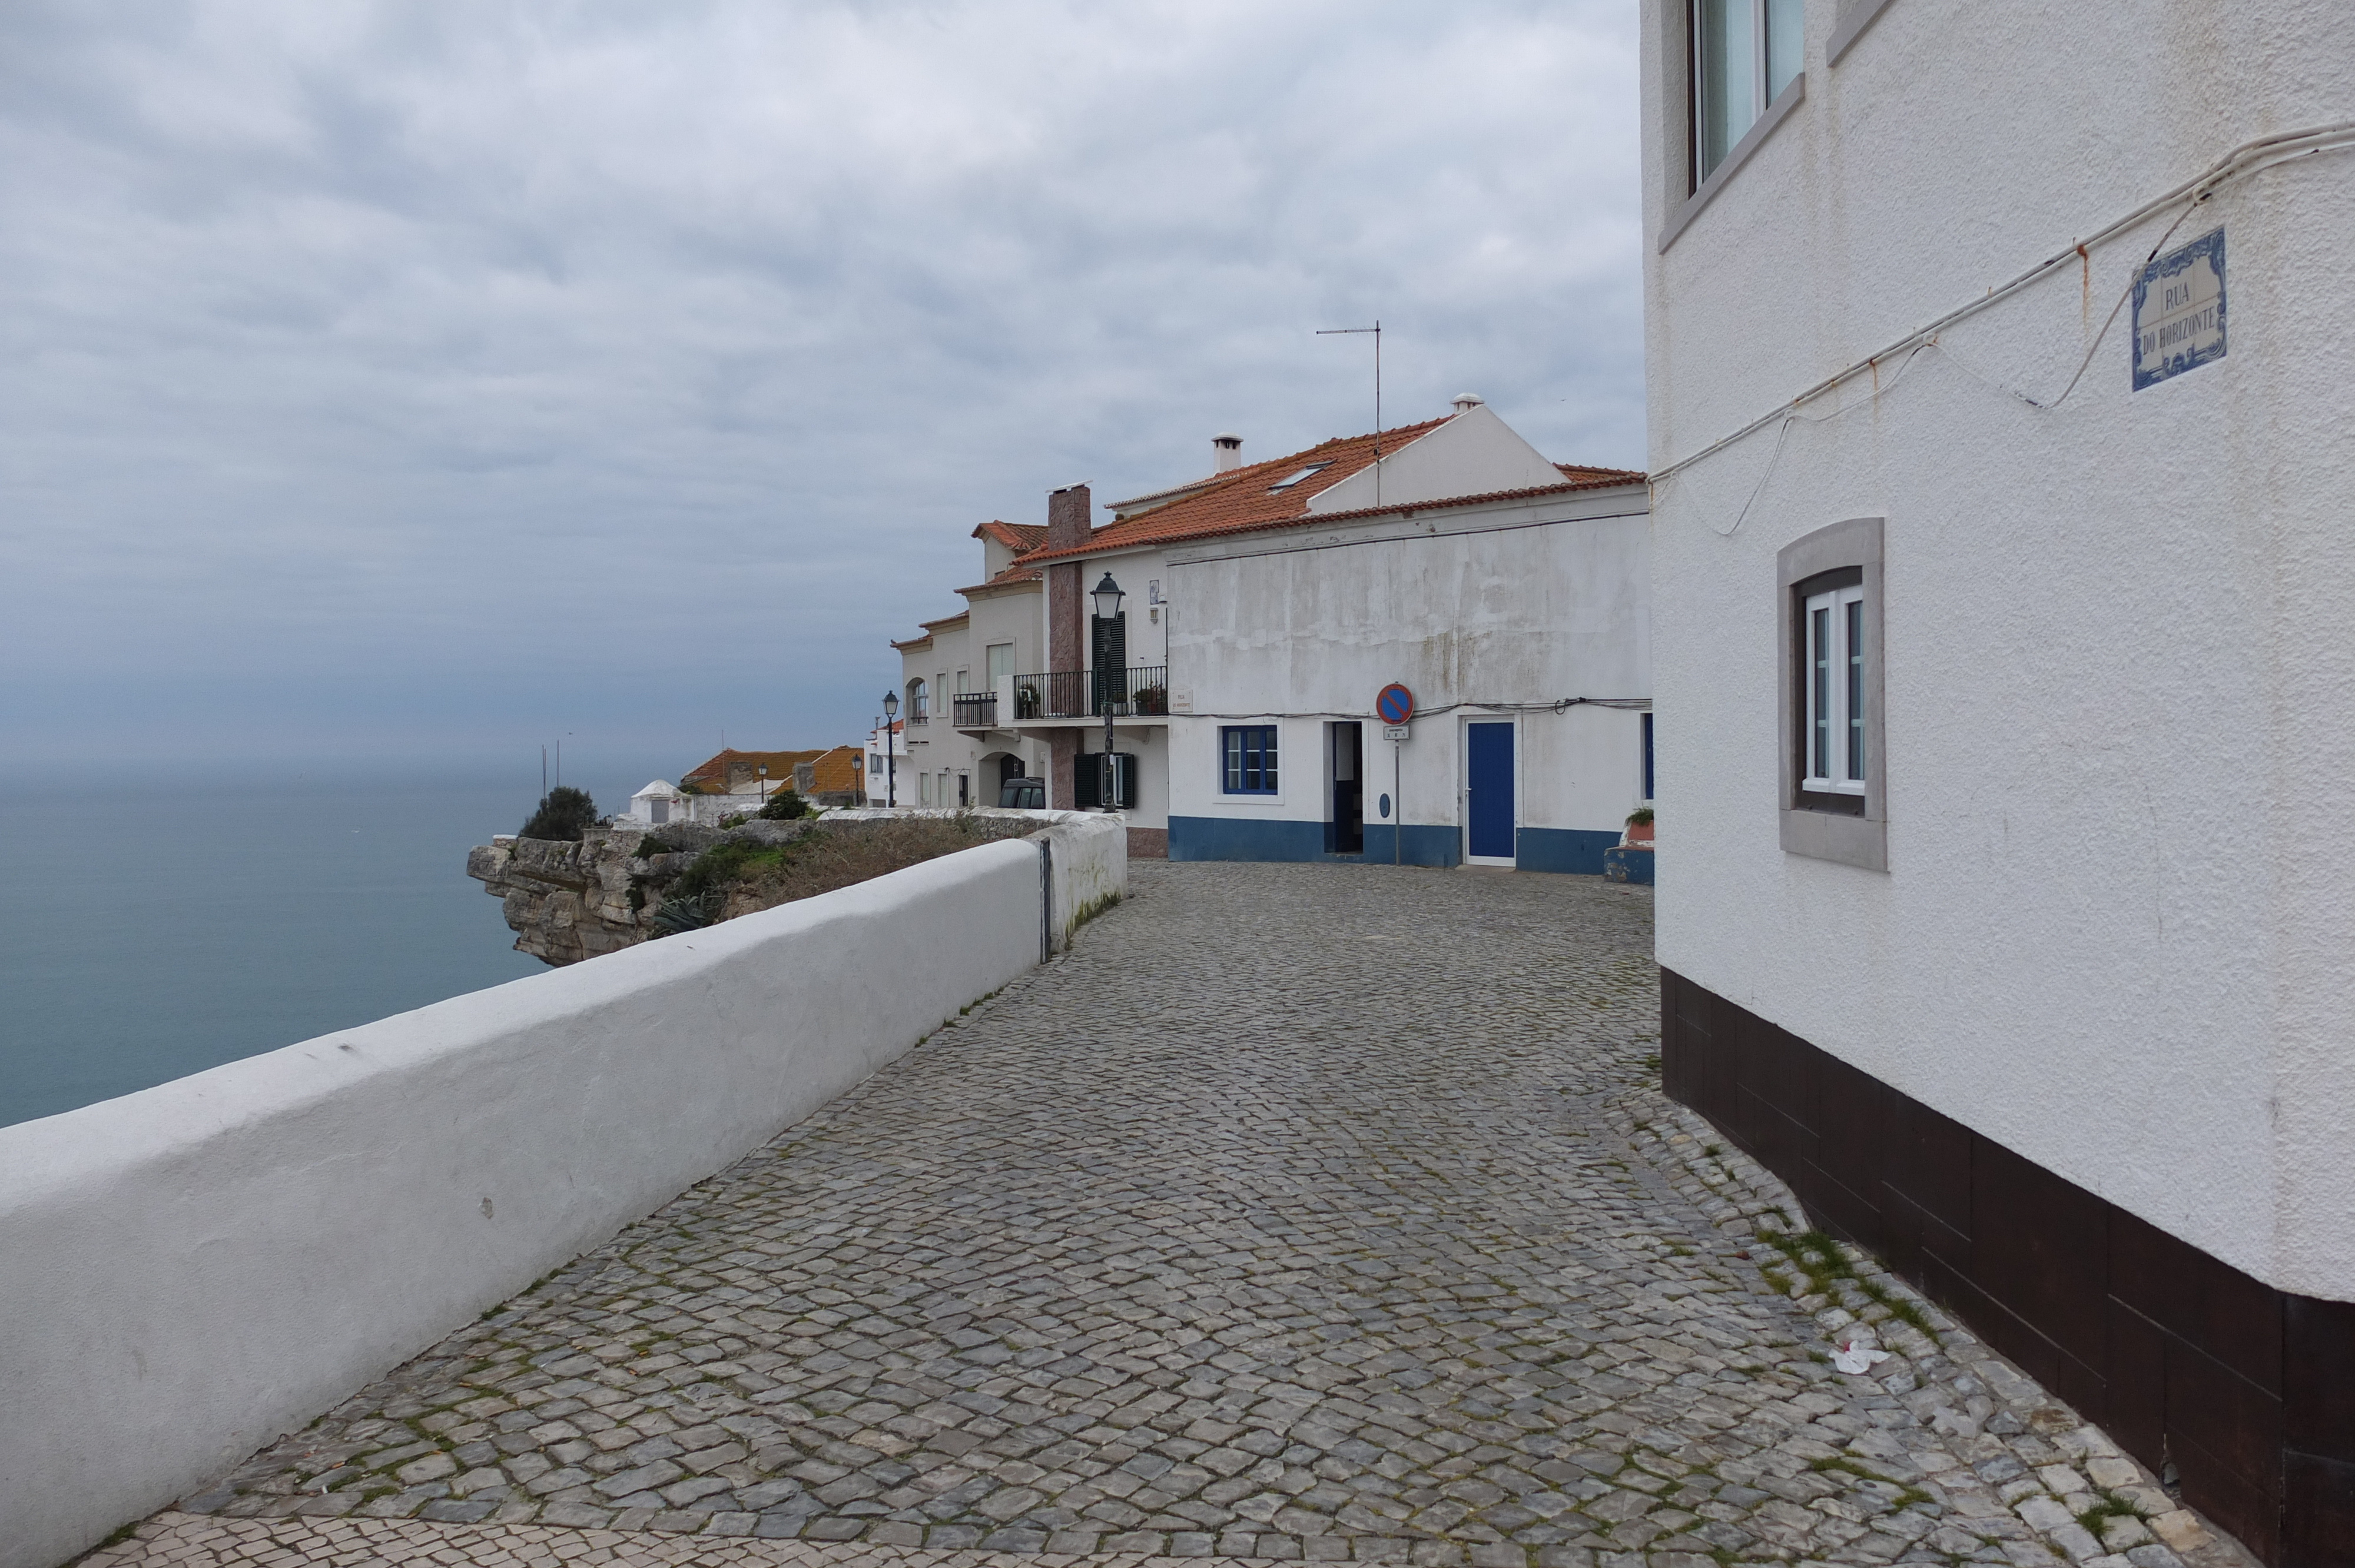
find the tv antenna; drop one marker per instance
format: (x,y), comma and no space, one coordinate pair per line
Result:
(1377,331)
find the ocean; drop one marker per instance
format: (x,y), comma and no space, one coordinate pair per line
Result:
(157,934)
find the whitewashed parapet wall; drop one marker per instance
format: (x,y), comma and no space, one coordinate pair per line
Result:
(189,1271)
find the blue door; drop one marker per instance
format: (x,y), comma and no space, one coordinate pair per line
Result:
(1490,773)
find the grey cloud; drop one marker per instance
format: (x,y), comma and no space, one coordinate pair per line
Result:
(431,378)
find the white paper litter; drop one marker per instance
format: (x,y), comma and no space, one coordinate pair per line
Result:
(1856,1358)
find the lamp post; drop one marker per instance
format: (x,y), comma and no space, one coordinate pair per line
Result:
(890,757)
(1107,595)
(764,783)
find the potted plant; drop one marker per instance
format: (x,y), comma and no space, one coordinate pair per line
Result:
(1639,825)
(1025,701)
(1152,700)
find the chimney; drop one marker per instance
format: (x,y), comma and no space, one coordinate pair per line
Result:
(1230,449)
(1068,510)
(1468,401)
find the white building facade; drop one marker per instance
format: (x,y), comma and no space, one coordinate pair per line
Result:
(1262,607)
(1518,626)
(1999,430)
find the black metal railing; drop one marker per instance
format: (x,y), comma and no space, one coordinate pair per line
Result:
(1084,693)
(974,710)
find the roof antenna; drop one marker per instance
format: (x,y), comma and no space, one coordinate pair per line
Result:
(1377,330)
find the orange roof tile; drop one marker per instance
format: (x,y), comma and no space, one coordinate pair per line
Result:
(1015,537)
(1243,501)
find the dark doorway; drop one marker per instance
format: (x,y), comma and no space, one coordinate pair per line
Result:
(1008,768)
(1346,833)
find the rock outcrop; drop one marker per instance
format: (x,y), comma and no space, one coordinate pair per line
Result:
(566,902)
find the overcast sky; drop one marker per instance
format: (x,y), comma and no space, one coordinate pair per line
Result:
(414,384)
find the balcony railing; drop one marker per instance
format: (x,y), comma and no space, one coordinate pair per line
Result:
(1135,690)
(974,710)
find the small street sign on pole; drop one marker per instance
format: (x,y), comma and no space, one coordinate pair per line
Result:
(1395,703)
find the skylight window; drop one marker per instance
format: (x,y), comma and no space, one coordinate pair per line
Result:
(1312,469)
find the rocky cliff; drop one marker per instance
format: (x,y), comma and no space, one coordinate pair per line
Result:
(566,902)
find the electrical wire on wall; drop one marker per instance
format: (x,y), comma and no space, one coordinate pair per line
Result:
(2240,163)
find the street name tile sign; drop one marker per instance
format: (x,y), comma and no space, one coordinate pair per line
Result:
(2179,310)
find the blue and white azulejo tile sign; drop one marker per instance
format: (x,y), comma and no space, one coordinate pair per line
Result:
(2179,310)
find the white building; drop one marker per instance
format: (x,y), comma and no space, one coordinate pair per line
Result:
(1262,608)
(2000,432)
(1507,595)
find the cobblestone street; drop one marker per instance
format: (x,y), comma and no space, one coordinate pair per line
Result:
(1310,1212)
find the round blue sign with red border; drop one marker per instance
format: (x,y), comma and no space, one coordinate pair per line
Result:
(1396,703)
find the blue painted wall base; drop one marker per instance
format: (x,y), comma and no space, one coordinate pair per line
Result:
(1577,850)
(1271,838)
(1626,865)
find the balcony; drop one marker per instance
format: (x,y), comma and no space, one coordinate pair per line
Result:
(1134,692)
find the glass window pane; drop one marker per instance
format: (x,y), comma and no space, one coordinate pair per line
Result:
(1856,689)
(1725,68)
(1819,691)
(1784,20)
(1268,776)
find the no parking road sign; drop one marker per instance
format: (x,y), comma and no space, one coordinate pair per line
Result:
(1395,705)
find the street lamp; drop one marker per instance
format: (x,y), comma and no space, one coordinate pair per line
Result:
(890,752)
(1107,595)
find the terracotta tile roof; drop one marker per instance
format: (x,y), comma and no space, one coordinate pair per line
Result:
(1243,501)
(1015,537)
(839,772)
(746,765)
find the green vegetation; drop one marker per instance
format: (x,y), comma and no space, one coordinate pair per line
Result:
(1640,817)
(563,813)
(784,806)
(1906,1496)
(741,875)
(1822,1260)
(2110,1506)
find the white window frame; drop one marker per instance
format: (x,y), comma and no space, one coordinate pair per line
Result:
(1836,712)
(1846,825)
(1763,37)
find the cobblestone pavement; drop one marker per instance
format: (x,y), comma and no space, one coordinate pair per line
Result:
(1300,1213)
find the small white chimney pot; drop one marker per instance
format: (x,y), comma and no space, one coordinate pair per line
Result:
(1468,401)
(1230,449)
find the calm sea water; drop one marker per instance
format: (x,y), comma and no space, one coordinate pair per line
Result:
(163,934)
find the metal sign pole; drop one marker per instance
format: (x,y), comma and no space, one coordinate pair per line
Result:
(1398,808)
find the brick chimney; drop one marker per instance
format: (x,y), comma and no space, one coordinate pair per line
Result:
(1067,529)
(1068,516)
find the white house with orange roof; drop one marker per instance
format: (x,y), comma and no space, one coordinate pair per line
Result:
(1230,634)
(1506,595)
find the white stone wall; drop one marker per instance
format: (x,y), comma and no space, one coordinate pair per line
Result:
(2117,929)
(1506,605)
(189,1271)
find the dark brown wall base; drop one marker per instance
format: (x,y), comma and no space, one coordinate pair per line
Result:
(2249,1391)
(1148,843)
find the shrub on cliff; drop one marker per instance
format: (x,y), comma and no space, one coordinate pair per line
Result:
(562,814)
(784,806)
